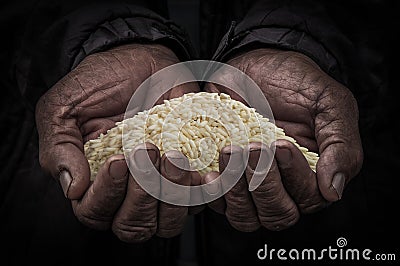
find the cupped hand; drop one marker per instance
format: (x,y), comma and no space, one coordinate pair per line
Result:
(317,111)
(88,101)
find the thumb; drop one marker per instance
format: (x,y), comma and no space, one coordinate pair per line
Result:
(67,163)
(337,165)
(338,138)
(73,170)
(61,150)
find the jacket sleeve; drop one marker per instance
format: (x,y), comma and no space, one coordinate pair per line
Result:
(305,27)
(83,30)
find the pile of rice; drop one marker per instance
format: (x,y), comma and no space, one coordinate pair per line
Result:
(197,124)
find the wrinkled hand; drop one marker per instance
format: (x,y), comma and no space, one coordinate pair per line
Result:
(83,104)
(320,113)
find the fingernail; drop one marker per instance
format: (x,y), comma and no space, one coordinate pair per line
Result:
(118,168)
(213,187)
(338,184)
(174,166)
(142,157)
(284,157)
(254,156)
(233,159)
(258,158)
(258,166)
(65,181)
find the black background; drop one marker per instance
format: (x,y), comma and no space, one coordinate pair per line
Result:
(32,209)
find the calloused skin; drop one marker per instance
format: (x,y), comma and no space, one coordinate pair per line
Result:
(88,101)
(320,113)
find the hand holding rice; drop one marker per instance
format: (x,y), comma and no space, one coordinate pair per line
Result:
(197,124)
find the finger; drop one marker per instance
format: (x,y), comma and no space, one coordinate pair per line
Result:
(213,189)
(305,135)
(180,90)
(194,195)
(98,206)
(276,210)
(240,210)
(136,220)
(171,218)
(298,178)
(338,138)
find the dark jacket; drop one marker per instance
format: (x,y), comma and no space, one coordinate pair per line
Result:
(46,39)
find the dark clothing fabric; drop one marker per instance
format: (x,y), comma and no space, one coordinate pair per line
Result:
(49,38)
(86,29)
(304,26)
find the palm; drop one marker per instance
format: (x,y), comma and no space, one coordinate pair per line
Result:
(305,101)
(288,90)
(91,98)
(101,86)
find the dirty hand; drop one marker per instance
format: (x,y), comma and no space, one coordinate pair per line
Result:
(320,113)
(88,101)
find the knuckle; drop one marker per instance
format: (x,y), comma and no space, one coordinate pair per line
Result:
(170,232)
(308,208)
(132,233)
(280,220)
(92,221)
(244,225)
